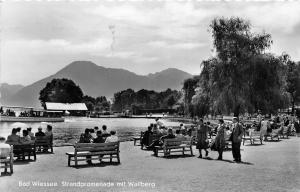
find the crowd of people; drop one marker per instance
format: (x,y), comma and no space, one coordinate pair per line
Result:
(97,136)
(27,136)
(222,132)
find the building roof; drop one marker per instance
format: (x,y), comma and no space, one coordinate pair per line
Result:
(66,106)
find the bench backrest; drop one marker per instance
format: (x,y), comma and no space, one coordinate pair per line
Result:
(176,142)
(255,133)
(43,140)
(97,147)
(26,147)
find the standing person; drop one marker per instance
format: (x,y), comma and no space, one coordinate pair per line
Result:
(236,138)
(146,137)
(264,128)
(220,139)
(202,141)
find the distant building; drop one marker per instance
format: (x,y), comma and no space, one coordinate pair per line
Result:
(74,109)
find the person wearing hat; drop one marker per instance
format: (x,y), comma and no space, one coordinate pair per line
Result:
(40,133)
(236,138)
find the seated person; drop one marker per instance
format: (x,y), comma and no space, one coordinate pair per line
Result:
(96,129)
(112,137)
(30,133)
(26,139)
(178,135)
(13,138)
(93,134)
(99,138)
(145,139)
(19,131)
(86,137)
(4,149)
(40,133)
(164,130)
(104,132)
(160,141)
(48,132)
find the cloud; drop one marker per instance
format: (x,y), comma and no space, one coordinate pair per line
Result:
(58,46)
(182,45)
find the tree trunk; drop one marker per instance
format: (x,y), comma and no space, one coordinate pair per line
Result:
(236,111)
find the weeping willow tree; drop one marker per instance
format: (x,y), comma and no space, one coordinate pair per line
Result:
(242,77)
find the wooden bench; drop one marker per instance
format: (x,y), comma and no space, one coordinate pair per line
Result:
(45,143)
(274,134)
(152,138)
(138,138)
(174,145)
(253,135)
(285,131)
(8,161)
(25,149)
(88,151)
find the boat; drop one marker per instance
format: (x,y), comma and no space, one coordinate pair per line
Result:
(29,114)
(31,119)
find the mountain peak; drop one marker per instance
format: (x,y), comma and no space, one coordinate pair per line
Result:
(167,72)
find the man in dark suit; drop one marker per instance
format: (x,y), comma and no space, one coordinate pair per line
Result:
(236,138)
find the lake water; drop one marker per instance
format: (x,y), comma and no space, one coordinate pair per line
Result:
(68,132)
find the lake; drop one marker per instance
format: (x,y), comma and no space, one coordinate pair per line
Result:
(68,132)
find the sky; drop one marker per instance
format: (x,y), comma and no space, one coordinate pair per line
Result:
(40,38)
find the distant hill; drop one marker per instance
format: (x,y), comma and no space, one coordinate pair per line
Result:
(95,81)
(8,91)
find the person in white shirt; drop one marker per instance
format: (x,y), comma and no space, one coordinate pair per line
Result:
(4,149)
(93,134)
(178,135)
(30,133)
(264,128)
(112,137)
(159,123)
(26,139)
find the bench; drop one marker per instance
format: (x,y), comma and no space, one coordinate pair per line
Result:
(285,131)
(138,138)
(174,145)
(253,135)
(8,161)
(45,143)
(25,149)
(274,134)
(88,151)
(152,138)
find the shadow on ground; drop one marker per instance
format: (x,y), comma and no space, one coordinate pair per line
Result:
(102,164)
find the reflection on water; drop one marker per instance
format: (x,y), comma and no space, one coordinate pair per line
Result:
(70,130)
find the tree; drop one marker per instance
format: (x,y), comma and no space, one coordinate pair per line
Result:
(242,77)
(89,102)
(292,80)
(61,91)
(189,86)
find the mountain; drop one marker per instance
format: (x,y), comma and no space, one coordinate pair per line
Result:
(96,81)
(7,90)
